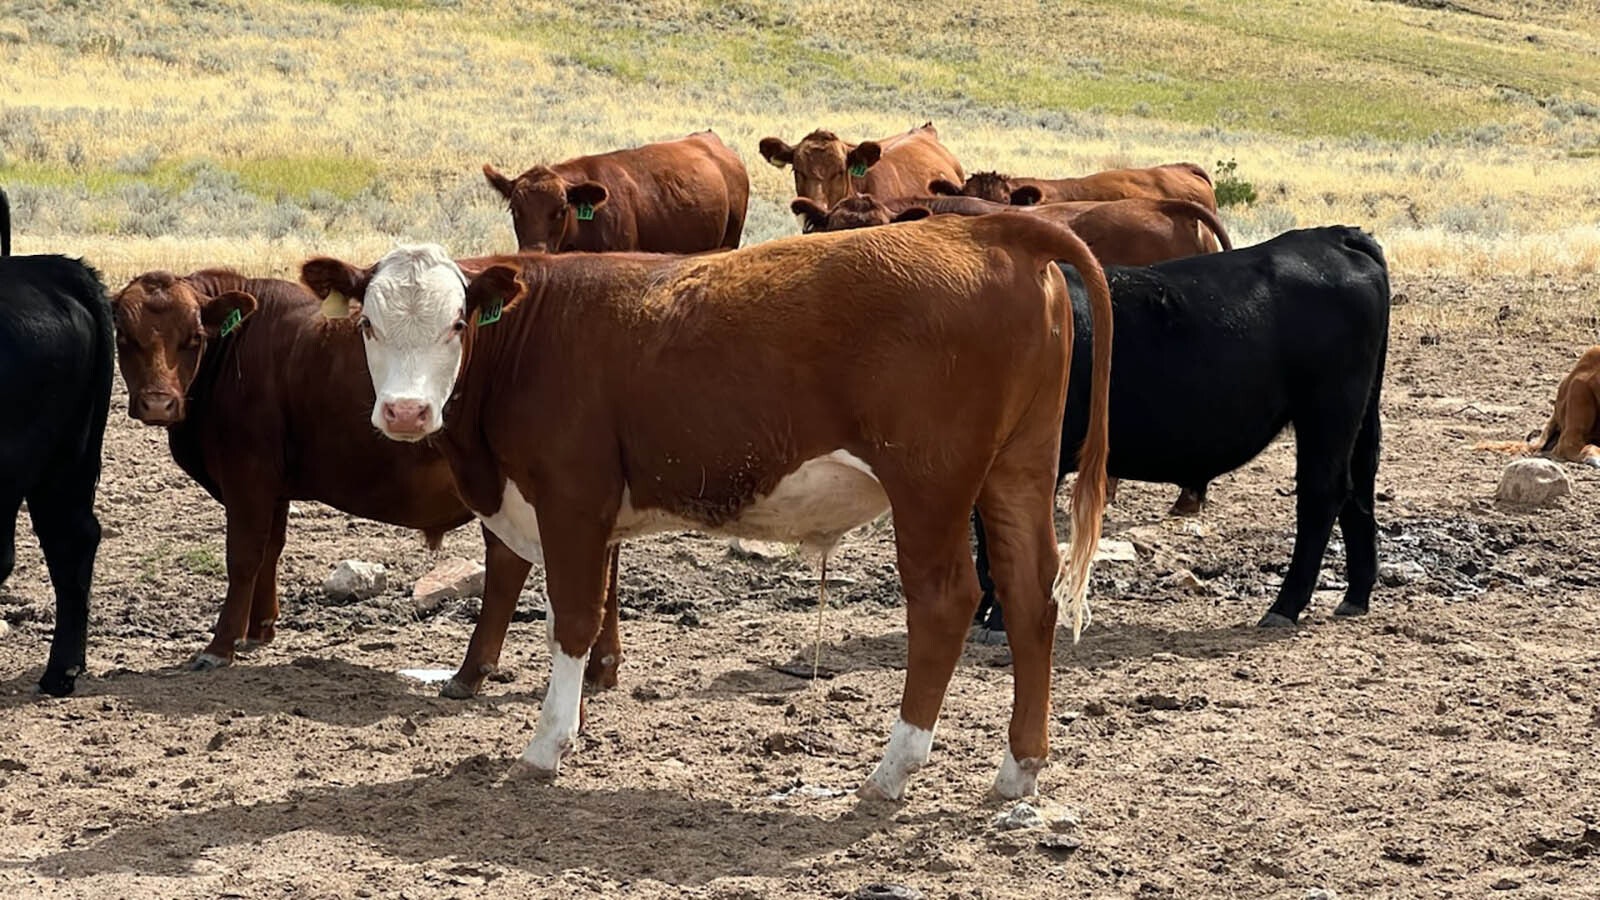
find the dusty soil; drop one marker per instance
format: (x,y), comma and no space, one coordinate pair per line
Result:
(1442,746)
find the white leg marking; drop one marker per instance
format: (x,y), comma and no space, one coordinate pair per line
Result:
(1018,779)
(908,750)
(205,662)
(558,717)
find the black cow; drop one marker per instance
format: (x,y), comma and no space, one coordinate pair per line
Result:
(1215,355)
(56,354)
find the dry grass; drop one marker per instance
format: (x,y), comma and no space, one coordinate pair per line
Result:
(222,132)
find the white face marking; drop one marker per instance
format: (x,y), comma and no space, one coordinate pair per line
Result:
(815,505)
(558,717)
(415,298)
(909,747)
(1017,780)
(516,524)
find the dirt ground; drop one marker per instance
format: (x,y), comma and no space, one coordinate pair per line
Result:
(1444,746)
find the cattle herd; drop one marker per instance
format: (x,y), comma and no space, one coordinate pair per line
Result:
(631,370)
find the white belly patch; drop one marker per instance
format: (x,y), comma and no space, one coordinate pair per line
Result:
(814,506)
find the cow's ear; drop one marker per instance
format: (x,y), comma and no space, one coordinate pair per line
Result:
(913,213)
(814,216)
(222,314)
(497,181)
(945,187)
(777,152)
(590,193)
(337,283)
(863,155)
(1027,195)
(493,292)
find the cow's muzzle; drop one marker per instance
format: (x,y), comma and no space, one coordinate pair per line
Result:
(156,408)
(406,420)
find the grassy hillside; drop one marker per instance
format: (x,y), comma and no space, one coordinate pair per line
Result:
(209,131)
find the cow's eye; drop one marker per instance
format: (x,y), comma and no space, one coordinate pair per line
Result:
(460,326)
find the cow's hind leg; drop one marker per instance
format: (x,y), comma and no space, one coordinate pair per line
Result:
(1578,426)
(9,508)
(941,590)
(990,620)
(263,625)
(606,658)
(1191,500)
(504,575)
(62,508)
(1357,519)
(1019,507)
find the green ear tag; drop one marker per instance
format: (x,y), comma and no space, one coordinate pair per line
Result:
(491,314)
(231,323)
(859,170)
(585,212)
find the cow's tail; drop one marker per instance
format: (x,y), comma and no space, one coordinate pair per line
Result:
(1201,215)
(5,225)
(1054,242)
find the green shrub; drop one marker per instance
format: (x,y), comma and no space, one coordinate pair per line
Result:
(1231,190)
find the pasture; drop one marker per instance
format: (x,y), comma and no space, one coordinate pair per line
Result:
(1442,746)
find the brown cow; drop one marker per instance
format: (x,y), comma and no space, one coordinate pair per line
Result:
(826,169)
(682,196)
(1178,181)
(263,400)
(788,391)
(1118,232)
(1573,432)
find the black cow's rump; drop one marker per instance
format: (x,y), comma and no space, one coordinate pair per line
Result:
(1215,354)
(56,354)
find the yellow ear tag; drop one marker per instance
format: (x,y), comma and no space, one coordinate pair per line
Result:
(336,306)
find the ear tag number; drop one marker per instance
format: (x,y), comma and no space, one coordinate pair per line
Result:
(231,323)
(585,212)
(859,170)
(491,314)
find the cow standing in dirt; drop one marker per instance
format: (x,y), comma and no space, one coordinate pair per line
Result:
(790,391)
(56,361)
(683,196)
(264,401)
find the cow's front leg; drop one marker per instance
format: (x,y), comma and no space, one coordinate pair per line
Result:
(577,561)
(249,523)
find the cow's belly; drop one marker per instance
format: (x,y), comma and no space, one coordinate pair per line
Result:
(814,506)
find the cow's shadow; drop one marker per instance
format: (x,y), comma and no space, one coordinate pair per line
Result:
(1101,647)
(473,815)
(326,690)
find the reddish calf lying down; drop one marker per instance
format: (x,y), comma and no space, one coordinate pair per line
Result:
(1573,432)
(1179,181)
(682,196)
(265,401)
(1119,232)
(826,169)
(789,391)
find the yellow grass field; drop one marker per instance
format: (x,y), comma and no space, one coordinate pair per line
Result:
(186,134)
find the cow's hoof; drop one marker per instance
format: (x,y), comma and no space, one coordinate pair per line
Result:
(456,689)
(873,792)
(1018,778)
(1186,506)
(205,662)
(984,635)
(1273,620)
(601,673)
(1349,610)
(522,770)
(59,683)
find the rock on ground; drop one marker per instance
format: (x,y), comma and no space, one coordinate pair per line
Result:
(355,578)
(452,579)
(1533,482)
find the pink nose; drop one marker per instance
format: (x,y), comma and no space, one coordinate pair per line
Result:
(406,416)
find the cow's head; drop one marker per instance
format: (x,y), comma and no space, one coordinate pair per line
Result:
(546,208)
(824,166)
(413,313)
(991,186)
(164,324)
(859,211)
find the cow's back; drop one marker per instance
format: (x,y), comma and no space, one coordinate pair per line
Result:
(289,399)
(911,160)
(1195,335)
(669,197)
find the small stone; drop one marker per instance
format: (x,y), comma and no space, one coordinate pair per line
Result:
(1019,817)
(1059,844)
(453,579)
(845,693)
(1404,572)
(1318,893)
(1095,708)
(1159,701)
(764,550)
(408,727)
(883,891)
(216,742)
(1182,580)
(5,628)
(1506,884)
(1115,551)
(1533,483)
(354,579)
